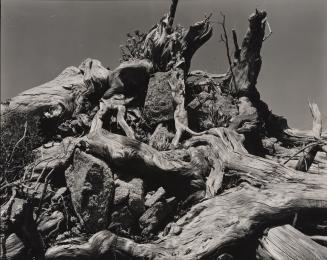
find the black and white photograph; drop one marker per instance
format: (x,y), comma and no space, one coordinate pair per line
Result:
(163,130)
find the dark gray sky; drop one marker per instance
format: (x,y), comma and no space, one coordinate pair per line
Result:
(39,38)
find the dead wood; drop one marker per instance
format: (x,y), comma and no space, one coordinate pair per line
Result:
(66,96)
(219,189)
(285,242)
(224,39)
(167,167)
(168,47)
(271,193)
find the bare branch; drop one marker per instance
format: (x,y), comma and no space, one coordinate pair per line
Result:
(224,38)
(270,31)
(299,151)
(46,183)
(20,140)
(237,51)
(172,12)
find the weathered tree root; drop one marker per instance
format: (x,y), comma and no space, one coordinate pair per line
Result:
(278,241)
(169,168)
(269,193)
(254,193)
(180,114)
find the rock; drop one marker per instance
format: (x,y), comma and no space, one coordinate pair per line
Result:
(158,105)
(121,193)
(154,217)
(158,195)
(91,185)
(207,104)
(128,203)
(122,219)
(161,138)
(213,110)
(131,192)
(53,155)
(199,100)
(136,197)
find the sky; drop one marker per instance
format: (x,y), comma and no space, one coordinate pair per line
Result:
(40,38)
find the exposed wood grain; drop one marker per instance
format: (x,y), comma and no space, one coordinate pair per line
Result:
(286,242)
(269,194)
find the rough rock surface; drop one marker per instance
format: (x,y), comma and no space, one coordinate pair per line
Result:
(161,138)
(121,193)
(207,104)
(158,195)
(159,101)
(53,155)
(154,217)
(128,205)
(136,196)
(91,185)
(123,219)
(132,193)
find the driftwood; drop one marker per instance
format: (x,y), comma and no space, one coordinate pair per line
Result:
(119,151)
(270,193)
(215,192)
(168,47)
(286,242)
(71,98)
(66,94)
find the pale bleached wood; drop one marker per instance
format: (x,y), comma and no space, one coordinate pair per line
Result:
(286,242)
(65,95)
(269,193)
(317,120)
